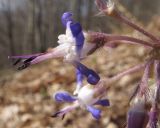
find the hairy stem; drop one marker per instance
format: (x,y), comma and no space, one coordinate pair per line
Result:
(108,8)
(144,82)
(122,74)
(131,40)
(125,20)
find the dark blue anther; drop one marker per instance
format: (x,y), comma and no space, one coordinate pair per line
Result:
(67,16)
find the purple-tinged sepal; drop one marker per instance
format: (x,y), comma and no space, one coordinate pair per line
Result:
(96,113)
(104,102)
(137,116)
(64,97)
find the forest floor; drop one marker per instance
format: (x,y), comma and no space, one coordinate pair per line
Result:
(26,96)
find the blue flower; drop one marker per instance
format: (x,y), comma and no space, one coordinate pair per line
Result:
(75,29)
(87,98)
(72,46)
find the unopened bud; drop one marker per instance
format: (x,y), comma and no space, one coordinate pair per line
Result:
(137,116)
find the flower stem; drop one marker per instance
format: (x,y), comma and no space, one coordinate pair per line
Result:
(131,40)
(125,20)
(97,37)
(126,72)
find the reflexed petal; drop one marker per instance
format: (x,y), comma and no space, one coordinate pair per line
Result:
(82,68)
(76,30)
(92,76)
(67,16)
(64,97)
(96,113)
(104,102)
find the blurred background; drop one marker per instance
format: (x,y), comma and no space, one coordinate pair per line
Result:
(31,26)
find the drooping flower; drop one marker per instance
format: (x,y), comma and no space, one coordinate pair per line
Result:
(73,45)
(87,98)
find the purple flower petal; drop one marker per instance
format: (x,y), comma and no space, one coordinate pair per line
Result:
(104,102)
(96,113)
(25,56)
(77,33)
(67,16)
(76,29)
(92,76)
(64,97)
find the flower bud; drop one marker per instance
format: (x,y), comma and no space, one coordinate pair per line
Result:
(137,116)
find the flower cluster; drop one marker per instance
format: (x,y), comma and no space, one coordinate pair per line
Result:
(76,45)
